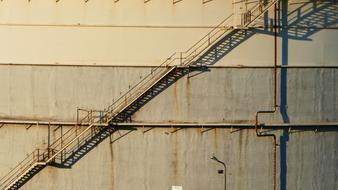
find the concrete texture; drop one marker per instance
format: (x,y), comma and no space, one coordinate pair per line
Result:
(158,159)
(218,95)
(51,35)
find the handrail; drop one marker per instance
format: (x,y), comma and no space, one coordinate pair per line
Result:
(217,27)
(28,161)
(167,62)
(68,144)
(186,55)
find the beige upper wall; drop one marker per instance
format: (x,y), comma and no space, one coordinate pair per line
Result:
(124,12)
(75,32)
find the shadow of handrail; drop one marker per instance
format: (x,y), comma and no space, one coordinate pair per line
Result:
(308,19)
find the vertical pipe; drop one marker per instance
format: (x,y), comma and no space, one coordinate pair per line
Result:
(274,101)
(275,56)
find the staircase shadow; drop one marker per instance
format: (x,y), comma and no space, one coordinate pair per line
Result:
(163,84)
(296,30)
(309,22)
(223,47)
(210,57)
(313,21)
(89,144)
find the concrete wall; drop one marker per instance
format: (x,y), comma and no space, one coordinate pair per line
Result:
(159,159)
(135,33)
(41,37)
(218,95)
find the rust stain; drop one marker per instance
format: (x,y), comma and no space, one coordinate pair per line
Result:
(112,181)
(174,140)
(177,108)
(187,96)
(215,139)
(240,164)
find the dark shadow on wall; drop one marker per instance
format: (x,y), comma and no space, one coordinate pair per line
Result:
(312,17)
(76,153)
(285,58)
(210,57)
(223,47)
(284,138)
(283,162)
(27,177)
(307,19)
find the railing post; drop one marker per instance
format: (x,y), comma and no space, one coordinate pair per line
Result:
(38,155)
(48,145)
(77,115)
(208,39)
(100,119)
(180,58)
(91,117)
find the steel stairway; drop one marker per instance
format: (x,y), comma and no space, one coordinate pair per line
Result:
(79,140)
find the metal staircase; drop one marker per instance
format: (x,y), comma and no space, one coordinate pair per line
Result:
(79,140)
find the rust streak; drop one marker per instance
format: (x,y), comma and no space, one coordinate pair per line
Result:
(177,108)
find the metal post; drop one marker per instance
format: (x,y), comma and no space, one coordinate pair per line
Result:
(38,155)
(225,170)
(208,39)
(77,115)
(48,145)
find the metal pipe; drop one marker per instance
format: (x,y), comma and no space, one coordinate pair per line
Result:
(275,57)
(183,124)
(29,122)
(163,66)
(274,101)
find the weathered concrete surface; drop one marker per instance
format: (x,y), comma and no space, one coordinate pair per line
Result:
(218,95)
(312,160)
(158,159)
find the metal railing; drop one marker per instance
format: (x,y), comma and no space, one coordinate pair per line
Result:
(64,146)
(20,168)
(176,59)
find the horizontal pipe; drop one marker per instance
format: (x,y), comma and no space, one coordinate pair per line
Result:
(154,66)
(148,26)
(333,124)
(168,124)
(29,122)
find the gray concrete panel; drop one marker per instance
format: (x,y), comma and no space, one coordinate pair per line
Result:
(158,159)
